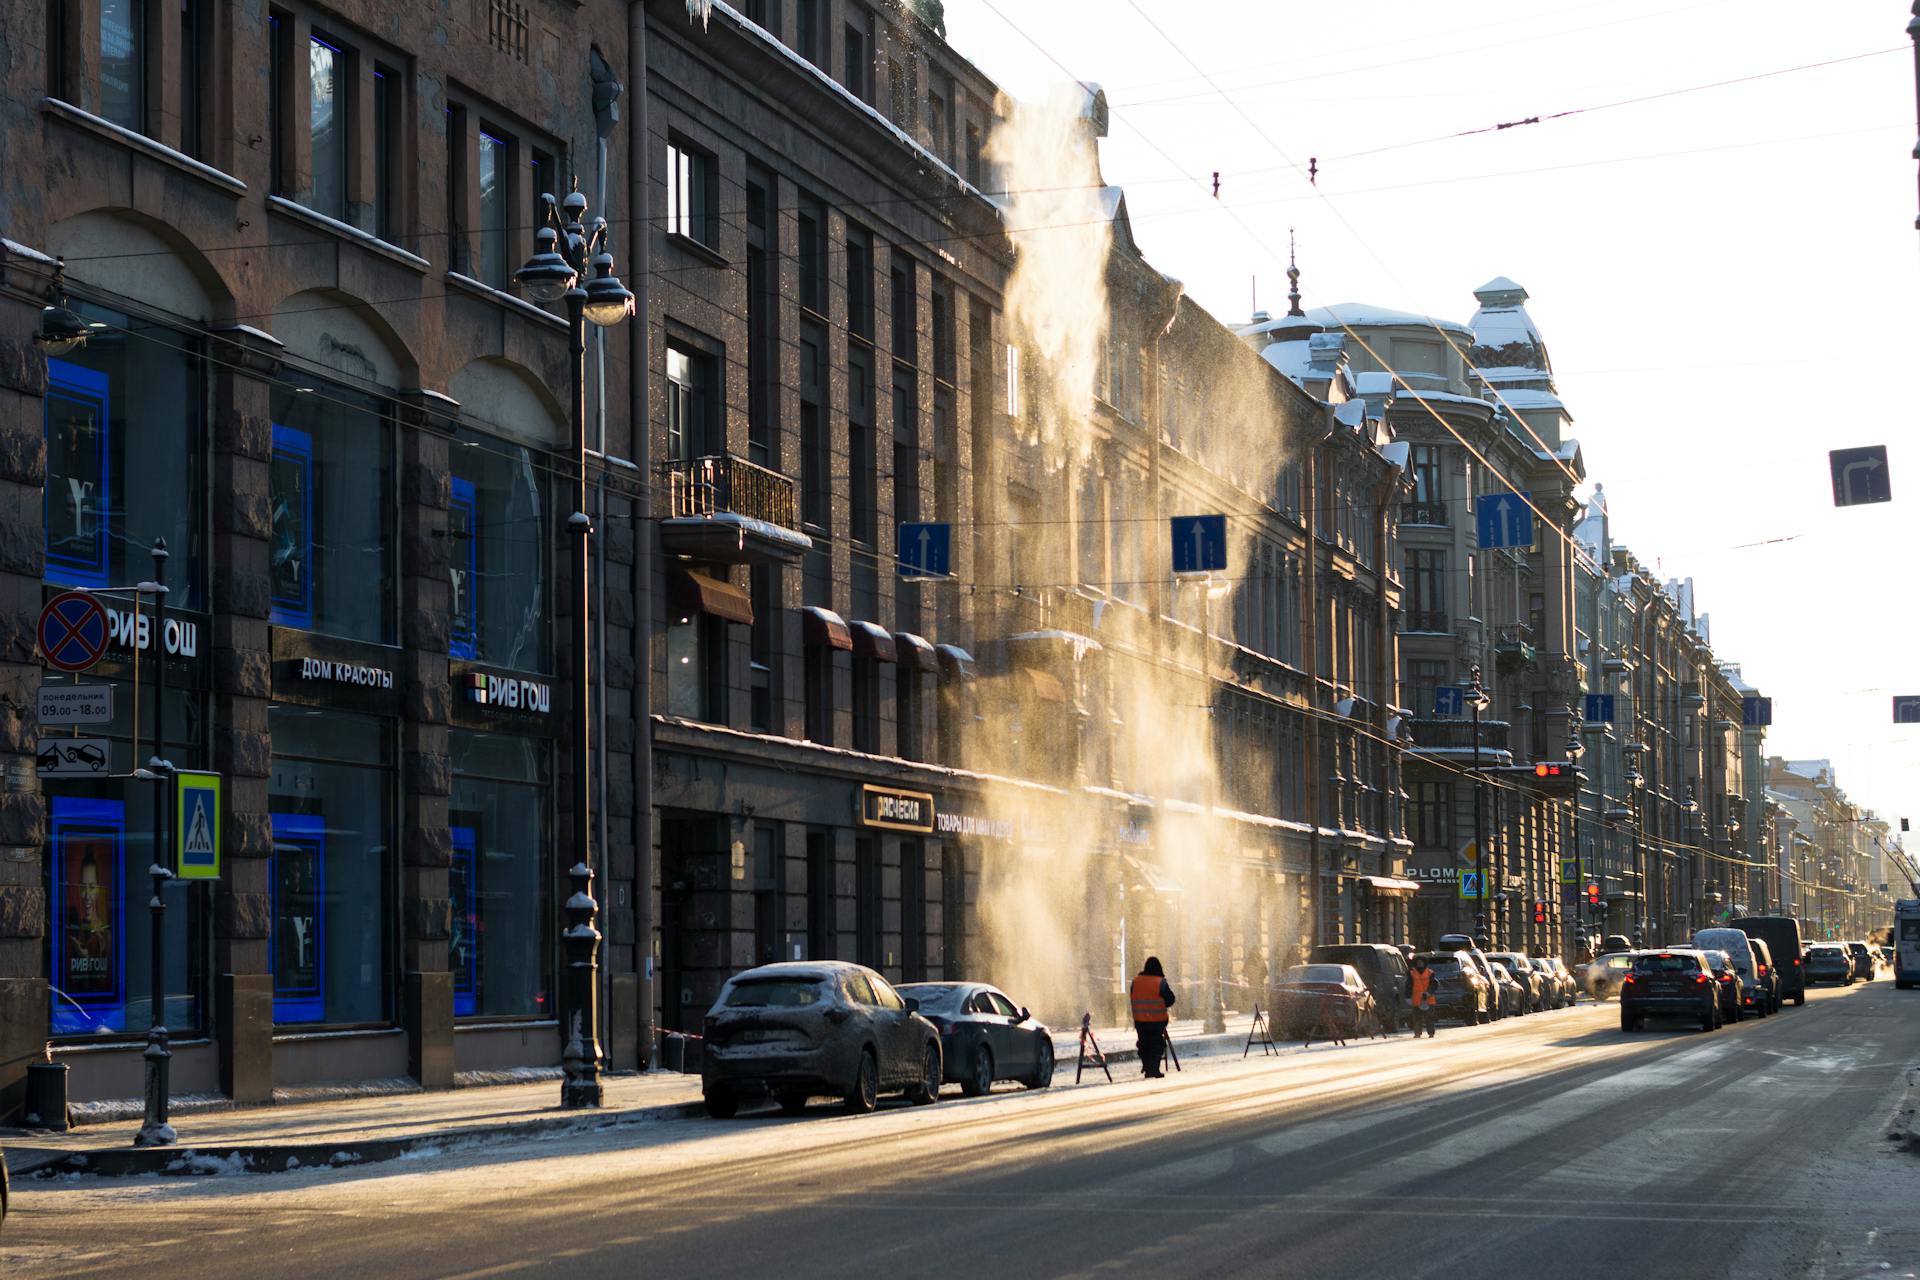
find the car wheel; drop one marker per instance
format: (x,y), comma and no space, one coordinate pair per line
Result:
(1626,1022)
(1800,999)
(721,1105)
(1043,1072)
(927,1089)
(864,1096)
(791,1101)
(980,1079)
(1710,1018)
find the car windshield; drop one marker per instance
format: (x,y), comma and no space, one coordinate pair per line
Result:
(1443,965)
(1617,961)
(1666,964)
(775,993)
(934,997)
(1317,973)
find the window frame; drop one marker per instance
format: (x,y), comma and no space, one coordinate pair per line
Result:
(692,191)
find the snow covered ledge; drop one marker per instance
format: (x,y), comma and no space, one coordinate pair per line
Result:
(142,143)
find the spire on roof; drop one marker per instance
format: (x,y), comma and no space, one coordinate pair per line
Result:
(1293,279)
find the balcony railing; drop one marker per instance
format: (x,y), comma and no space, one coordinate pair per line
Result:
(1433,513)
(1423,620)
(723,484)
(1458,734)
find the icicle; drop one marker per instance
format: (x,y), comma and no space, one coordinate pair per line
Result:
(701,9)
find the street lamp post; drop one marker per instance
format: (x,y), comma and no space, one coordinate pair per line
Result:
(566,249)
(154,1130)
(1476,697)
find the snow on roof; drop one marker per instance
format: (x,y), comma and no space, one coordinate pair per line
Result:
(1293,359)
(1279,326)
(1528,398)
(1361,315)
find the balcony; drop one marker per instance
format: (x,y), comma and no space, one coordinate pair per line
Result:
(1427,513)
(1513,650)
(1423,620)
(1455,737)
(726,510)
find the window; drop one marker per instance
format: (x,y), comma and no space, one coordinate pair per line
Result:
(861,480)
(813,255)
(1426,473)
(492,267)
(946,352)
(913,911)
(330,877)
(330,561)
(697,668)
(692,405)
(909,714)
(123,63)
(1426,601)
(122,418)
(866,902)
(816,458)
(820,895)
(769,875)
(859,282)
(328,75)
(819,694)
(459,176)
(937,122)
(866,705)
(500,877)
(763,321)
(859,51)
(1426,676)
(976,170)
(193,17)
(764,14)
(762,650)
(906,318)
(906,501)
(690,194)
(810,31)
(497,538)
(387,115)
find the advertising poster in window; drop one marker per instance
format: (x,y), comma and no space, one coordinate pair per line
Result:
(298,878)
(78,500)
(463,568)
(89,844)
(290,563)
(463,947)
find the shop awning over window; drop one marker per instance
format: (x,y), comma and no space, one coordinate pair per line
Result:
(1043,686)
(698,593)
(825,629)
(955,663)
(1387,886)
(915,651)
(871,640)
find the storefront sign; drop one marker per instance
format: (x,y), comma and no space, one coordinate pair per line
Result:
(1433,875)
(501,701)
(325,669)
(508,693)
(894,810)
(128,630)
(970,826)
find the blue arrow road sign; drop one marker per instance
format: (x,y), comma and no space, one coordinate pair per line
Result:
(925,551)
(1860,475)
(1199,544)
(1449,700)
(1504,520)
(1756,712)
(1599,708)
(1906,710)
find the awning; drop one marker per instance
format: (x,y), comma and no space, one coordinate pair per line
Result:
(824,629)
(1043,686)
(1390,887)
(871,640)
(698,593)
(1145,877)
(915,651)
(955,663)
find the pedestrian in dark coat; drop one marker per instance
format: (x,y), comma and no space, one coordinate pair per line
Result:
(1152,998)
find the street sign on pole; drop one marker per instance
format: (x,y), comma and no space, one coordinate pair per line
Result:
(1599,708)
(925,550)
(73,631)
(196,818)
(72,757)
(1860,475)
(75,704)
(1503,520)
(1756,713)
(1470,884)
(1449,700)
(1906,709)
(1199,544)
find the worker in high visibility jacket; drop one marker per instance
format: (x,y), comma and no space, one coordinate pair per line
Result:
(1152,1001)
(1422,1001)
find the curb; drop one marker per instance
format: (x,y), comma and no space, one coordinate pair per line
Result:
(227,1158)
(1907,1118)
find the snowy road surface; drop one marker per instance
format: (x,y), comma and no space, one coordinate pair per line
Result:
(1541,1147)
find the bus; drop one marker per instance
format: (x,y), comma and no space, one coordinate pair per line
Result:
(1906,943)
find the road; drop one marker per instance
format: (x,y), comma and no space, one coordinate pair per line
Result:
(1549,1146)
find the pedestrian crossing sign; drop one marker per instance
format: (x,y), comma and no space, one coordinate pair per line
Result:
(1470,884)
(196,825)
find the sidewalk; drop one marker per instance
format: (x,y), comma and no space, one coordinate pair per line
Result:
(365,1129)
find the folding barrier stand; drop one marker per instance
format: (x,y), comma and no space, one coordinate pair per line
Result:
(1258,1034)
(1088,1041)
(1167,1039)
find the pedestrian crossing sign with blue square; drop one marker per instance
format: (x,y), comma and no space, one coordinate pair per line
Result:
(196,825)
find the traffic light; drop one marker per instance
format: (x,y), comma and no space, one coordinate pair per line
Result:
(1593,894)
(1539,913)
(1544,770)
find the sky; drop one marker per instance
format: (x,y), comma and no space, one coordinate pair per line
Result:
(1724,276)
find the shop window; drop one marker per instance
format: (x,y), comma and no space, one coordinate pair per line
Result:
(692,179)
(769,900)
(866,902)
(820,895)
(330,876)
(122,417)
(330,563)
(913,911)
(497,534)
(500,878)
(953,910)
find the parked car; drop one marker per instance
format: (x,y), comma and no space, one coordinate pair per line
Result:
(1676,983)
(1829,962)
(804,1028)
(1602,977)
(1461,942)
(1614,943)
(1508,991)
(1325,1000)
(1458,989)
(1756,989)
(1382,968)
(1533,986)
(1726,981)
(3,1189)
(984,1037)
(1566,990)
(1782,936)
(1863,966)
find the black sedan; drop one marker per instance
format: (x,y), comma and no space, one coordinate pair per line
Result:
(1829,962)
(983,1036)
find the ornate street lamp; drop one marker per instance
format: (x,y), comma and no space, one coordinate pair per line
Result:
(1475,696)
(60,329)
(565,249)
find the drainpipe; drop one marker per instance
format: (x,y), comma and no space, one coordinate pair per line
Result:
(640,366)
(606,114)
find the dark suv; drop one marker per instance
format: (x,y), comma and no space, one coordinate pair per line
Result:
(1382,968)
(1782,936)
(1675,983)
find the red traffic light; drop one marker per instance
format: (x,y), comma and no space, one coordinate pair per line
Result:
(1539,913)
(1544,770)
(1593,894)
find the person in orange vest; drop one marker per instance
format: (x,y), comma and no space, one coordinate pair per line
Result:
(1422,1003)
(1152,998)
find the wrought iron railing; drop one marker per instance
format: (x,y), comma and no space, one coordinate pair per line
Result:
(721,483)
(1458,734)
(1423,620)
(1433,513)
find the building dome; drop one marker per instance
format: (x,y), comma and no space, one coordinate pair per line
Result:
(1507,345)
